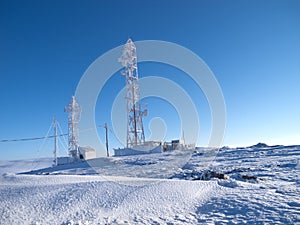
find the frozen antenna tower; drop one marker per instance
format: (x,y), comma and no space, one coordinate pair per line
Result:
(135,130)
(74,112)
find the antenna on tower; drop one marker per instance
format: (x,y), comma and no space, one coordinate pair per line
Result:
(135,129)
(74,112)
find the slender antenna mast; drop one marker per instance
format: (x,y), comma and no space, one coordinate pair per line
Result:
(74,112)
(55,141)
(135,130)
(106,137)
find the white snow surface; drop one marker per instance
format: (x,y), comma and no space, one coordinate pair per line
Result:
(262,187)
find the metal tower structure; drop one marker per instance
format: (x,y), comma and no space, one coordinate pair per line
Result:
(74,112)
(135,129)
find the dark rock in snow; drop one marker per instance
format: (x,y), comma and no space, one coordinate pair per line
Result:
(249,177)
(260,145)
(207,175)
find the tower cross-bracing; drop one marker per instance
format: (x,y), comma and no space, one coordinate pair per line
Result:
(135,129)
(74,112)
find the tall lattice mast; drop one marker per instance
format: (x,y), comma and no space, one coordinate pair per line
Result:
(135,129)
(74,112)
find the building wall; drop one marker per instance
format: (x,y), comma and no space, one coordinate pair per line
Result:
(87,153)
(130,151)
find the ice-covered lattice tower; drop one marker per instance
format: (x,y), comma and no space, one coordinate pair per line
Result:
(135,129)
(74,112)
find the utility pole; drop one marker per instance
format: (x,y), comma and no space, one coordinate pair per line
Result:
(55,141)
(106,138)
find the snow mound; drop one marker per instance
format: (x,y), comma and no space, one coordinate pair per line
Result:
(66,199)
(228,183)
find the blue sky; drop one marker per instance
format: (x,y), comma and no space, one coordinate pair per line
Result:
(252,47)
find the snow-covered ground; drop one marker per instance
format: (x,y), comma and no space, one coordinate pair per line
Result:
(262,186)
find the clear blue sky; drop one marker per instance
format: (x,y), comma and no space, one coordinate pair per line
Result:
(253,48)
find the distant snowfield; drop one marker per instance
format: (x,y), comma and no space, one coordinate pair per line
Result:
(263,187)
(19,166)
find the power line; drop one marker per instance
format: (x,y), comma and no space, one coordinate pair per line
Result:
(49,136)
(32,139)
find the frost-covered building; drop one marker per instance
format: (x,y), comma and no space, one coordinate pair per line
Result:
(150,147)
(87,153)
(146,148)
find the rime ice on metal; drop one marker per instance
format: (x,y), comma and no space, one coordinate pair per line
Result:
(74,112)
(135,130)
